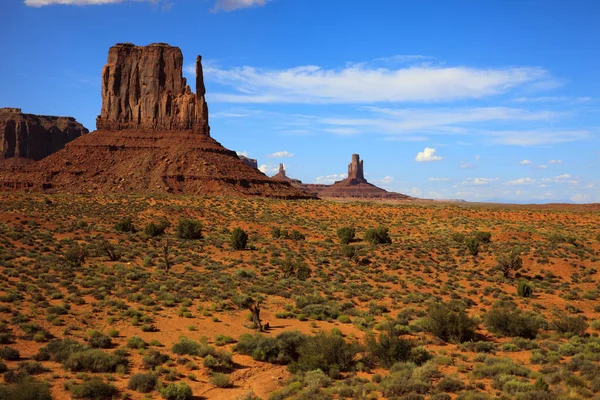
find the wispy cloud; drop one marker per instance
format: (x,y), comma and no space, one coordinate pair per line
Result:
(550,99)
(554,162)
(521,181)
(538,136)
(427,155)
(327,179)
(280,154)
(268,169)
(525,162)
(362,83)
(438,179)
(41,3)
(232,5)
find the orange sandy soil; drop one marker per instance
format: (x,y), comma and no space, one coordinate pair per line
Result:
(421,261)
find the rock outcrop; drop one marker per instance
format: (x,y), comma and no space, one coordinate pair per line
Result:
(249,161)
(143,88)
(26,137)
(153,137)
(281,176)
(354,186)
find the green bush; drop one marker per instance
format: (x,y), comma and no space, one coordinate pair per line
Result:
(282,349)
(451,385)
(506,319)
(153,359)
(143,383)
(59,350)
(449,324)
(154,229)
(75,255)
(189,229)
(239,239)
(95,388)
(524,289)
(389,348)
(378,235)
(510,262)
(574,325)
(176,391)
(483,237)
(220,380)
(125,225)
(136,342)
(28,389)
(186,346)
(346,234)
(98,340)
(296,235)
(328,352)
(472,245)
(94,360)
(8,353)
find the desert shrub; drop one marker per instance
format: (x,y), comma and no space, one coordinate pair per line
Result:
(239,239)
(378,235)
(125,225)
(95,388)
(176,391)
(451,385)
(75,255)
(296,235)
(389,348)
(58,350)
(449,323)
(189,229)
(3,367)
(143,383)
(136,342)
(524,289)
(186,346)
(154,229)
(32,367)
(8,353)
(154,359)
(27,389)
(346,234)
(483,237)
(493,367)
(275,232)
(506,319)
(348,251)
(282,349)
(472,245)
(326,351)
(98,340)
(221,340)
(574,325)
(220,380)
(94,360)
(510,262)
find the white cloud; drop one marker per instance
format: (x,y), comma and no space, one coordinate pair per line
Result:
(478,181)
(438,179)
(549,99)
(232,5)
(525,162)
(280,154)
(541,167)
(41,3)
(465,165)
(555,162)
(416,192)
(362,83)
(537,137)
(580,198)
(327,179)
(427,155)
(564,178)
(521,181)
(385,180)
(477,158)
(269,169)
(242,153)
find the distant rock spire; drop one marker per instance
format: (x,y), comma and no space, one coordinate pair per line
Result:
(355,168)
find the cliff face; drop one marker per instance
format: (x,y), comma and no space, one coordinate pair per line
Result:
(143,88)
(29,136)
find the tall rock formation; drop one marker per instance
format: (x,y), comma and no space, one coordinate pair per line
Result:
(153,137)
(33,137)
(354,186)
(281,176)
(355,169)
(143,88)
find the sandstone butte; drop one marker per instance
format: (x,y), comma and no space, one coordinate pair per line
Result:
(25,138)
(355,186)
(152,136)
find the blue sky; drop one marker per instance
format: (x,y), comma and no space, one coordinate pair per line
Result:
(477,100)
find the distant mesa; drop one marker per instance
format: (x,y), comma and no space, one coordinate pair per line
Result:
(355,186)
(281,176)
(152,136)
(25,138)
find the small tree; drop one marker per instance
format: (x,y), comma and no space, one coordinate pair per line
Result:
(125,225)
(510,262)
(346,234)
(189,229)
(254,305)
(473,245)
(75,255)
(106,247)
(239,239)
(378,235)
